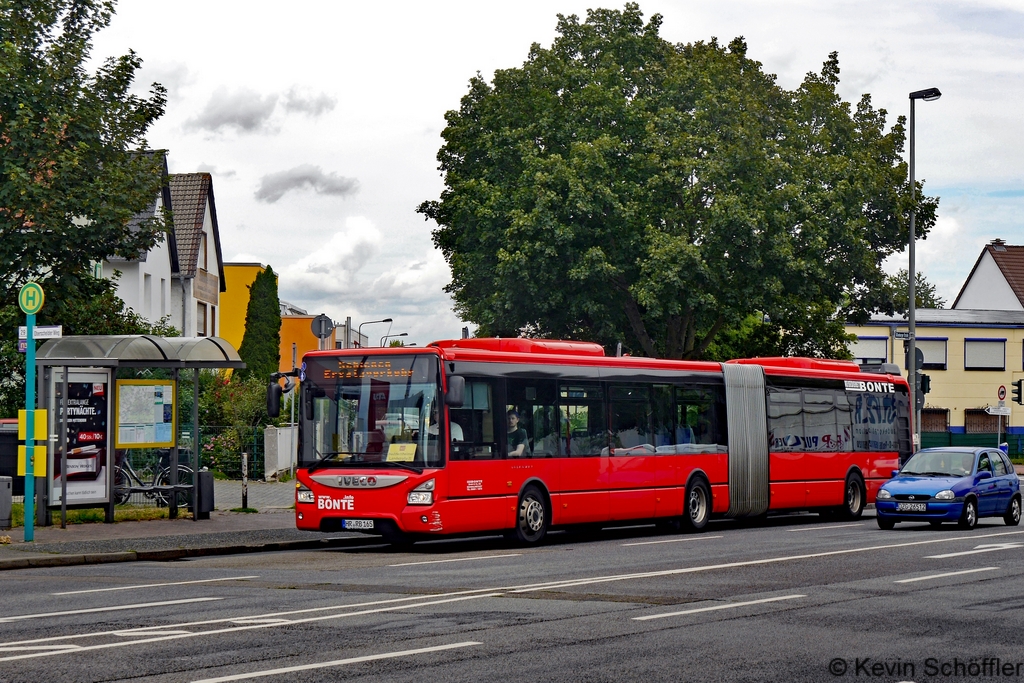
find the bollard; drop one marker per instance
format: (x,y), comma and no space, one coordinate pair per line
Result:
(245,480)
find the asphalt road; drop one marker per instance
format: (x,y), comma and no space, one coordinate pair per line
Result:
(795,599)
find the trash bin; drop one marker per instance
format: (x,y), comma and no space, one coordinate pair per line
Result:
(1004,447)
(5,502)
(205,502)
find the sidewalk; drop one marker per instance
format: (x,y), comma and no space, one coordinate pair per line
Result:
(225,533)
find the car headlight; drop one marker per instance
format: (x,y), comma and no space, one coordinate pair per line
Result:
(303,494)
(422,494)
(883,495)
(945,495)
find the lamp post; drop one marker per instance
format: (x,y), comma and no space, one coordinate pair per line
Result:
(359,330)
(928,95)
(389,336)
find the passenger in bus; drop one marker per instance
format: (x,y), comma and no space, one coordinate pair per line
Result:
(517,436)
(434,428)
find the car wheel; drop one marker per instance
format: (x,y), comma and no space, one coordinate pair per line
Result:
(532,523)
(698,505)
(969,517)
(1012,516)
(884,523)
(853,497)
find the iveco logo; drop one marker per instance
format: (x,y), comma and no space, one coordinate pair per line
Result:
(357,481)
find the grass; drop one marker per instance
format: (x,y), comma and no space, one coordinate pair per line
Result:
(246,510)
(95,515)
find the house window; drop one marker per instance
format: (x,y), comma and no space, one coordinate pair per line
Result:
(147,295)
(870,350)
(200,319)
(977,421)
(213,321)
(934,350)
(984,354)
(202,253)
(935,420)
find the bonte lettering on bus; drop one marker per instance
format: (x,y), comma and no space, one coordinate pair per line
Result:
(328,503)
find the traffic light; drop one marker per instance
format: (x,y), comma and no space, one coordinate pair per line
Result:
(1017,386)
(926,383)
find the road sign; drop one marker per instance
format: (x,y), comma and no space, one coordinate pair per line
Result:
(322,326)
(998,410)
(899,334)
(42,332)
(918,354)
(30,298)
(1001,394)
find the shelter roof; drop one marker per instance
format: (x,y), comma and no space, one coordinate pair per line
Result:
(143,350)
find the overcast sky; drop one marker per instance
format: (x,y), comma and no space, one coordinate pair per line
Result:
(321,121)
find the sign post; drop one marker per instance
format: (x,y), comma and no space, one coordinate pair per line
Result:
(30,298)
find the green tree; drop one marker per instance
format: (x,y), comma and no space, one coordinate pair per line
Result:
(261,342)
(925,294)
(619,187)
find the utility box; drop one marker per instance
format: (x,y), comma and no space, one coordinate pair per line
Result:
(205,503)
(5,502)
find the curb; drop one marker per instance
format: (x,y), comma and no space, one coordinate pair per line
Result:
(175,553)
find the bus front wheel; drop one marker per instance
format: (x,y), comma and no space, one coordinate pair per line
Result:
(697,508)
(532,521)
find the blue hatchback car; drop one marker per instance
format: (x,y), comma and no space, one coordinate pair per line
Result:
(951,485)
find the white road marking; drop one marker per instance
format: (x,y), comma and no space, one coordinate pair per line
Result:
(23,648)
(155,585)
(731,605)
(940,576)
(987,548)
(671,540)
(112,608)
(457,559)
(338,662)
(822,528)
(250,627)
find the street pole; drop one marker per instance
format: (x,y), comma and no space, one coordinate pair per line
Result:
(911,302)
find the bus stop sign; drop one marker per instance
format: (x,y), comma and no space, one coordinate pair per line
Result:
(322,326)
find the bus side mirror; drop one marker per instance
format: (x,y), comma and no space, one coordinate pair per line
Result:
(307,400)
(456,393)
(274,399)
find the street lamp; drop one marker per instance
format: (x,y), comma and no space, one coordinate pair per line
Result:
(359,330)
(389,336)
(928,95)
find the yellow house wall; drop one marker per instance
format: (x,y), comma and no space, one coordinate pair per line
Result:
(235,300)
(956,388)
(298,329)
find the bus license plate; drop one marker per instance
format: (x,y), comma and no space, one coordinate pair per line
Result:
(911,507)
(357,523)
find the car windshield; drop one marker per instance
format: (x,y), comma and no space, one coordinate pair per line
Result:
(372,411)
(940,464)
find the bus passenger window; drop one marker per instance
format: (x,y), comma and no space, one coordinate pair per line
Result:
(583,429)
(663,417)
(477,419)
(631,420)
(700,419)
(534,402)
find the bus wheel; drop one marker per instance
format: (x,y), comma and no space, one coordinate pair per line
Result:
(853,497)
(532,524)
(698,505)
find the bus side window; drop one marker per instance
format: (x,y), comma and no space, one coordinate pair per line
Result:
(631,420)
(583,429)
(534,401)
(700,419)
(478,419)
(663,416)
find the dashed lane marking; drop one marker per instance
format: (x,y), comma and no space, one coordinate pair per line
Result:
(671,540)
(714,608)
(155,585)
(457,559)
(112,608)
(942,576)
(823,528)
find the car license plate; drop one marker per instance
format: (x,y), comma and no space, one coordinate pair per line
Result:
(911,507)
(357,523)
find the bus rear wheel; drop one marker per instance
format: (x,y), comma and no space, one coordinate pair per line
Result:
(697,508)
(533,518)
(853,497)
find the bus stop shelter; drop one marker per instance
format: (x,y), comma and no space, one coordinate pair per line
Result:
(93,357)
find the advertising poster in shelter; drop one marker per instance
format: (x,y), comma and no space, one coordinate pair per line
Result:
(88,452)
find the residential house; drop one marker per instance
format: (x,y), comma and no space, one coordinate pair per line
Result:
(199,280)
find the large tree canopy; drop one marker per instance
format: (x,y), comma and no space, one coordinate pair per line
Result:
(617,187)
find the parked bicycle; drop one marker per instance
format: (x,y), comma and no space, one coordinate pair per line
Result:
(128,481)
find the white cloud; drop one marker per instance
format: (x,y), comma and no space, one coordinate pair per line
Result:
(244,110)
(273,186)
(298,100)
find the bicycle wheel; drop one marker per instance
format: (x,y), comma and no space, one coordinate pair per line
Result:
(122,486)
(163,478)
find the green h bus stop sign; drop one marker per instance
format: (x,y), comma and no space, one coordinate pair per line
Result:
(30,298)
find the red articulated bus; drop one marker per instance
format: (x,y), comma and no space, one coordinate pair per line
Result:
(522,435)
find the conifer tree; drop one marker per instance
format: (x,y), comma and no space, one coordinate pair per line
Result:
(261,343)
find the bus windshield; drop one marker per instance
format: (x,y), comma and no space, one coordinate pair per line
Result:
(372,410)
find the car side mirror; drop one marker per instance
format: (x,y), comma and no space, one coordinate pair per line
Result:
(456,394)
(895,473)
(984,474)
(274,392)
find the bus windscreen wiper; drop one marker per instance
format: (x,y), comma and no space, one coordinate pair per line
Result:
(324,459)
(328,457)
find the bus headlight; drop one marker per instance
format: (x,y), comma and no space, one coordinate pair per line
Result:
(883,495)
(422,494)
(303,494)
(945,495)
